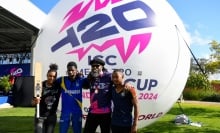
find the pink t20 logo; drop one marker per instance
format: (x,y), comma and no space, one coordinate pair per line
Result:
(103,27)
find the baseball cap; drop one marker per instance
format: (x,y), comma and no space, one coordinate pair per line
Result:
(97,61)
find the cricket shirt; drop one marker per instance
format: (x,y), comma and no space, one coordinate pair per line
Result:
(122,107)
(49,100)
(71,94)
(100,94)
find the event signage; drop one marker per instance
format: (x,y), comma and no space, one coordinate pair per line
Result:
(144,38)
(15,69)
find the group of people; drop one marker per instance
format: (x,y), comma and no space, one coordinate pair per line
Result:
(111,101)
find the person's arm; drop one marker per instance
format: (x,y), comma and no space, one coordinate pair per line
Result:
(136,110)
(35,101)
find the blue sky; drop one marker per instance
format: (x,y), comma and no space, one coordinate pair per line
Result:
(201,21)
(200,18)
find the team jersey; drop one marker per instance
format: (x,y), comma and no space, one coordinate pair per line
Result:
(49,100)
(122,107)
(71,94)
(100,94)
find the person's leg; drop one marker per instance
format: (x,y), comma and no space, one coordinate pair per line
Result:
(35,124)
(64,122)
(91,124)
(77,122)
(105,123)
(119,129)
(125,129)
(38,125)
(115,129)
(50,123)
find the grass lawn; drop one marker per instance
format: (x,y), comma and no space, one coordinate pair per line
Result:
(20,120)
(206,113)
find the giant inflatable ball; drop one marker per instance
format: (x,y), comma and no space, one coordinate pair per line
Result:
(144,38)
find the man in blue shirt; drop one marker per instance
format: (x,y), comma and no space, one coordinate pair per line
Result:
(71,97)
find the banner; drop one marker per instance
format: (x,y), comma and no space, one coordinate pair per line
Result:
(15,69)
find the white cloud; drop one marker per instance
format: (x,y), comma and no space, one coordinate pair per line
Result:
(197,39)
(198,43)
(205,55)
(195,36)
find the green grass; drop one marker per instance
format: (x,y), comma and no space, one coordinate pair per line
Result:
(16,120)
(20,120)
(207,114)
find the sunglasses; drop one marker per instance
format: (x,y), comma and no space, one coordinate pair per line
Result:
(95,65)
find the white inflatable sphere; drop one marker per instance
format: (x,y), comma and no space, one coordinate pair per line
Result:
(145,38)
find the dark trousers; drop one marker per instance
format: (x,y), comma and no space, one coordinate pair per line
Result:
(120,129)
(45,124)
(95,120)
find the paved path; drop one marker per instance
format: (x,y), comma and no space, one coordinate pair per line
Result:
(203,102)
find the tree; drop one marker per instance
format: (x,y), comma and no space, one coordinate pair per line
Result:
(5,83)
(197,81)
(215,49)
(213,65)
(198,76)
(198,65)
(202,68)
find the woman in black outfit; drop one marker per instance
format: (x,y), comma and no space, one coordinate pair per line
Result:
(48,103)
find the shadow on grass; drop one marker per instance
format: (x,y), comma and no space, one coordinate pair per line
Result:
(16,124)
